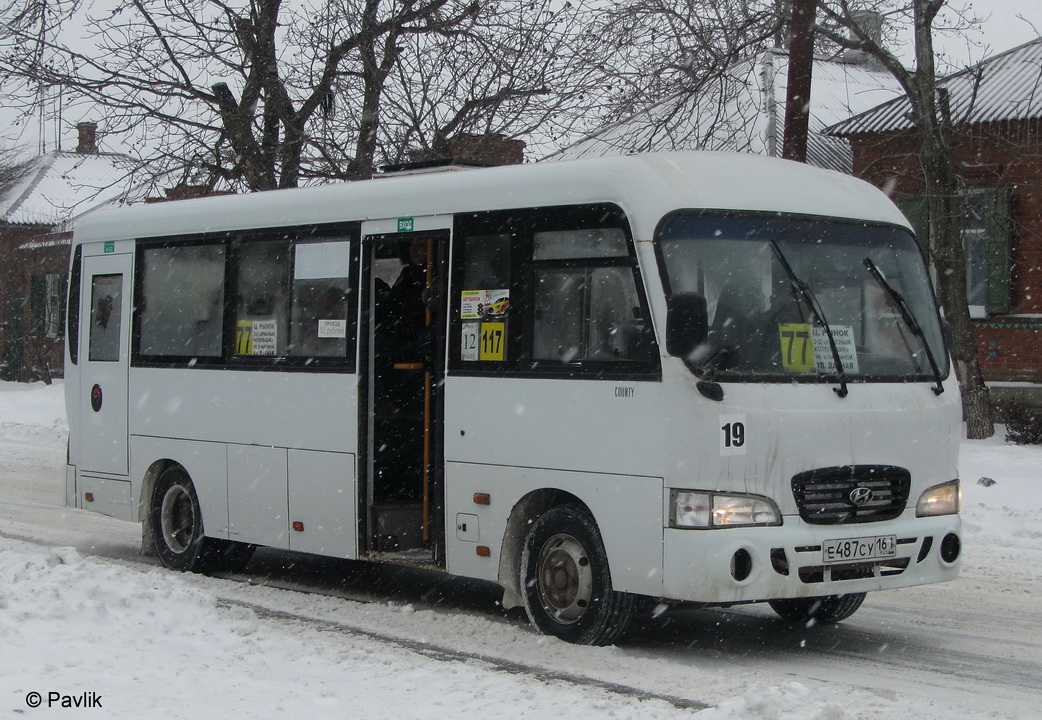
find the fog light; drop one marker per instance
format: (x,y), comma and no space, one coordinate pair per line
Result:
(741,564)
(951,546)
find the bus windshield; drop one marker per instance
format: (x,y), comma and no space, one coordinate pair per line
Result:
(788,296)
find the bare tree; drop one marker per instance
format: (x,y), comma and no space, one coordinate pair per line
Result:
(935,127)
(12,167)
(650,49)
(259,93)
(518,68)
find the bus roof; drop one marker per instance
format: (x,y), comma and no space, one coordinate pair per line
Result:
(645,186)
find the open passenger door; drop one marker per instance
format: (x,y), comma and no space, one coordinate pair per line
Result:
(404,284)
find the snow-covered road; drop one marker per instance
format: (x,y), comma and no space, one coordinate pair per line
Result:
(84,616)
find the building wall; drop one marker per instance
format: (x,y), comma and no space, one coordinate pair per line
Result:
(27,351)
(1007,154)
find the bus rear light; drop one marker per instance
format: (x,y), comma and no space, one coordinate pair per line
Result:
(482,499)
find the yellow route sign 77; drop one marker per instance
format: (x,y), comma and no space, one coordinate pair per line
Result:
(796,346)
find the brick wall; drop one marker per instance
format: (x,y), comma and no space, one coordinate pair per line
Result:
(1007,154)
(25,355)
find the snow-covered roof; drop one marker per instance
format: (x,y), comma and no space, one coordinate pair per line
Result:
(1005,87)
(60,186)
(744,111)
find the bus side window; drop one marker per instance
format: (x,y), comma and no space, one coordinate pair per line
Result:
(181,300)
(262,299)
(586,306)
(321,288)
(72,322)
(292,298)
(559,285)
(485,301)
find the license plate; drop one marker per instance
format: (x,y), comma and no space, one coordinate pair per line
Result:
(857,549)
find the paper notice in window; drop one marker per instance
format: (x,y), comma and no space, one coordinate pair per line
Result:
(265,337)
(476,304)
(332,328)
(844,337)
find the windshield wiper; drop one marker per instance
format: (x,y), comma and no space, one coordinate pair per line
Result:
(812,302)
(910,321)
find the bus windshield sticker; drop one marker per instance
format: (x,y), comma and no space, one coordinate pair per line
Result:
(469,348)
(805,348)
(796,348)
(477,304)
(336,328)
(492,343)
(256,337)
(844,337)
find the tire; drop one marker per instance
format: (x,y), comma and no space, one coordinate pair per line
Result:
(826,609)
(177,530)
(565,581)
(177,521)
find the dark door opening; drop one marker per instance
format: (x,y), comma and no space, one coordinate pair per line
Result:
(404,328)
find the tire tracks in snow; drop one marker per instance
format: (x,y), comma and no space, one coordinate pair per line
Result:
(447,654)
(427,649)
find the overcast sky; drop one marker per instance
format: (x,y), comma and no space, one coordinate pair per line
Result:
(1006,24)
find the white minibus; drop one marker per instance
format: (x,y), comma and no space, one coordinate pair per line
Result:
(661,378)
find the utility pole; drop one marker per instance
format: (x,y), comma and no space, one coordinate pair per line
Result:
(797,91)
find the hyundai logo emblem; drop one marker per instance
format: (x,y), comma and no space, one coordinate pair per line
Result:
(860,496)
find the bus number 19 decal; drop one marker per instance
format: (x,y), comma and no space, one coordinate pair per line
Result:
(733,437)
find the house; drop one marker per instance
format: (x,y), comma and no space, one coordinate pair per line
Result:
(996,111)
(37,213)
(744,111)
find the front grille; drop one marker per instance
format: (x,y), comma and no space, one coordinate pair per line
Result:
(851,494)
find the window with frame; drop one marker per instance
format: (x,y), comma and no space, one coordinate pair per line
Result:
(987,238)
(47,302)
(180,307)
(550,291)
(253,299)
(292,298)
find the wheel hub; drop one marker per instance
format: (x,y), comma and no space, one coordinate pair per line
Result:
(565,579)
(178,519)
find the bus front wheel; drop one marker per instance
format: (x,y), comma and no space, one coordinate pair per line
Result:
(177,529)
(827,609)
(566,583)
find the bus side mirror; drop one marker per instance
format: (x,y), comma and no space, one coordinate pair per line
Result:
(687,323)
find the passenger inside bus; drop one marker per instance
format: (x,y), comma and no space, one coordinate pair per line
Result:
(402,350)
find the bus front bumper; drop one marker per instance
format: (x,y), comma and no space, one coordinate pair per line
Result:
(736,565)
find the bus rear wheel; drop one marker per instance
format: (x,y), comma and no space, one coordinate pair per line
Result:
(566,583)
(177,529)
(826,609)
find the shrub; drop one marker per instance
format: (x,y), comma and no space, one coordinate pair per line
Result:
(1024,424)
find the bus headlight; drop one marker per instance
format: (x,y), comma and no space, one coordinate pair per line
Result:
(705,510)
(942,499)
